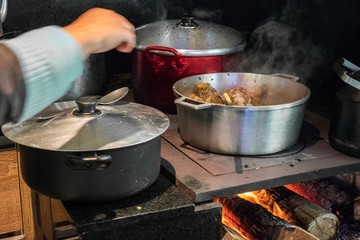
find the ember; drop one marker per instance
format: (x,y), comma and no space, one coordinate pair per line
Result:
(331,195)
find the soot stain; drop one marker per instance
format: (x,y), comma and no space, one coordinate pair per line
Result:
(192,182)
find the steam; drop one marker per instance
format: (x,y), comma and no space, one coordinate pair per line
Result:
(276,47)
(156,9)
(207,15)
(161,11)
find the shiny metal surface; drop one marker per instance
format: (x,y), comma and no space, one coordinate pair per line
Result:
(3,10)
(114,96)
(205,39)
(238,130)
(3,13)
(348,72)
(120,125)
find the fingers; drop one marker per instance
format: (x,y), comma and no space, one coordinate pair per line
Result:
(99,30)
(125,47)
(128,42)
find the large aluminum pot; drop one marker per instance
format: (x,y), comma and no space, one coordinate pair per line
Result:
(169,50)
(90,154)
(242,130)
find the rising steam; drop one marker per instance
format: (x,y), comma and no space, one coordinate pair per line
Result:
(280,46)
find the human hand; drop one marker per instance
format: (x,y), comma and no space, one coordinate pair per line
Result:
(100,30)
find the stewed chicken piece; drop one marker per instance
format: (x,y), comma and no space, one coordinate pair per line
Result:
(237,96)
(204,92)
(241,97)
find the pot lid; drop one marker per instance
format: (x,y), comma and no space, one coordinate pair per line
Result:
(65,127)
(190,38)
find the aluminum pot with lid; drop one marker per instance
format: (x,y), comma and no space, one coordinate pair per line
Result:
(169,50)
(89,152)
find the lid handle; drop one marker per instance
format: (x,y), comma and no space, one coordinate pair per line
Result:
(187,22)
(347,71)
(86,106)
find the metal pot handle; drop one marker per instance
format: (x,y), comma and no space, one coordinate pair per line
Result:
(95,162)
(179,65)
(342,67)
(186,102)
(286,76)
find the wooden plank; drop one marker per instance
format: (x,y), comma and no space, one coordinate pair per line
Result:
(39,212)
(45,221)
(18,237)
(28,210)
(10,213)
(59,213)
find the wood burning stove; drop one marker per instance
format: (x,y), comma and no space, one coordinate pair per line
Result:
(203,176)
(180,204)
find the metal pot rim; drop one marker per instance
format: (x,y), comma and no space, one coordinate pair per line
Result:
(201,39)
(251,108)
(203,105)
(197,53)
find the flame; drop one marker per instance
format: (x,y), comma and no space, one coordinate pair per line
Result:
(227,221)
(262,198)
(230,224)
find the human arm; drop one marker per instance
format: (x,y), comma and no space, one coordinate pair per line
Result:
(12,87)
(50,59)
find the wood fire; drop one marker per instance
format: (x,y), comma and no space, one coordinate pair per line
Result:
(255,222)
(279,213)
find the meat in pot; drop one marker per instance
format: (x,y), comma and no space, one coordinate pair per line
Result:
(237,96)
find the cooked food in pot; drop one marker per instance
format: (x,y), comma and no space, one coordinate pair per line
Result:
(237,96)
(204,92)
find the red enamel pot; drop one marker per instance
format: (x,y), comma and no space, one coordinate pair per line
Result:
(170,50)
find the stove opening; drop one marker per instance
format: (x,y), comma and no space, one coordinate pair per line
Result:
(319,209)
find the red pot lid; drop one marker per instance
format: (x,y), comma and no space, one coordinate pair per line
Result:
(190,38)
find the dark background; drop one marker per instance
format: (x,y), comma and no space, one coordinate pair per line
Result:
(299,37)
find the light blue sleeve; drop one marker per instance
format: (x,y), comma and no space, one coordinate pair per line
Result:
(50,60)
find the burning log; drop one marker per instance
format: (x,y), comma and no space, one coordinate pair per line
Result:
(304,213)
(256,222)
(331,195)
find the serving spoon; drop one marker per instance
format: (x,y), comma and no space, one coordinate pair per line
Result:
(114,96)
